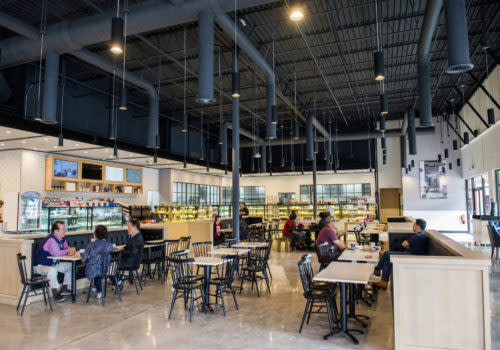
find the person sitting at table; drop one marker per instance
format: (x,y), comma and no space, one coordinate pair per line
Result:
(322,223)
(290,230)
(329,234)
(218,234)
(415,245)
(244,230)
(93,259)
(55,245)
(243,209)
(132,253)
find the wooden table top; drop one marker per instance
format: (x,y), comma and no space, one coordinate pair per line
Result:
(155,241)
(229,229)
(208,261)
(345,272)
(228,251)
(75,257)
(249,245)
(360,255)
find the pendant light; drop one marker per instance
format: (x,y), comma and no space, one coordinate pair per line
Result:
(446,153)
(384,159)
(296,11)
(450,166)
(466,138)
(382,121)
(296,135)
(221,110)
(491,116)
(117,26)
(123,95)
(184,127)
(255,152)
(409,167)
(282,162)
(443,170)
(490,111)
(43,29)
(255,148)
(455,145)
(383,143)
(384,108)
(412,163)
(115,150)
(202,148)
(458,161)
(378,56)
(440,158)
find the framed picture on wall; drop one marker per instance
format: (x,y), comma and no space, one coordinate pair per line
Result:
(432,180)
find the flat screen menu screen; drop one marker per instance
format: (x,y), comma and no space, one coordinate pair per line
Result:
(65,168)
(114,174)
(133,175)
(91,171)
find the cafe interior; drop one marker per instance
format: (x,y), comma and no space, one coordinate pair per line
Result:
(255,174)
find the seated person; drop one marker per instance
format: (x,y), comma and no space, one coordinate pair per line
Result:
(322,223)
(132,253)
(55,245)
(244,230)
(329,234)
(415,245)
(93,259)
(218,234)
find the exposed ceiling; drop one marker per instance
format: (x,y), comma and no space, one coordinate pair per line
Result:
(332,49)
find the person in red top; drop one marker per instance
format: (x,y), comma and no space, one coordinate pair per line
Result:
(218,234)
(290,225)
(329,234)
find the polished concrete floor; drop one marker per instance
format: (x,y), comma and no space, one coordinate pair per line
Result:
(141,322)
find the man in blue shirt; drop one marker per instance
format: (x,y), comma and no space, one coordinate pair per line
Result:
(415,245)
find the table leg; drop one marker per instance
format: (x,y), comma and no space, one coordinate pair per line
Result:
(73,281)
(352,305)
(343,316)
(206,306)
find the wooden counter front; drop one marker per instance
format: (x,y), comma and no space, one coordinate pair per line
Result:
(442,302)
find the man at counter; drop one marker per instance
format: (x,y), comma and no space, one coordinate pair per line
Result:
(55,245)
(415,245)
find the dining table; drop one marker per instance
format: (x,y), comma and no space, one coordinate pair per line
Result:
(345,273)
(207,262)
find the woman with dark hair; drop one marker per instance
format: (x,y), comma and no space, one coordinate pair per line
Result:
(290,224)
(96,256)
(218,234)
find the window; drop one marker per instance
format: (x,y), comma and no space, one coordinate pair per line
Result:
(253,194)
(194,194)
(480,195)
(338,192)
(227,193)
(286,197)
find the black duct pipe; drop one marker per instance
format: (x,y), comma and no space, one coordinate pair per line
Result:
(49,114)
(404,159)
(310,139)
(457,37)
(432,10)
(263,159)
(412,133)
(235,168)
(224,144)
(206,75)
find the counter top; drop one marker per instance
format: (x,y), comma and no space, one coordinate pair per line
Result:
(4,235)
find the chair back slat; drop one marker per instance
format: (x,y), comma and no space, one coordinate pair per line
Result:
(228,268)
(201,248)
(184,242)
(306,273)
(171,246)
(21,264)
(182,270)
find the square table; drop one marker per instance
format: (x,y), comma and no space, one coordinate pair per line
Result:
(249,245)
(207,262)
(228,251)
(342,273)
(73,260)
(359,255)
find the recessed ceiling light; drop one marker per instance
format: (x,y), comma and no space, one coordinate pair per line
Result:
(23,141)
(110,156)
(85,152)
(46,139)
(55,146)
(36,149)
(2,144)
(106,150)
(77,145)
(9,132)
(130,155)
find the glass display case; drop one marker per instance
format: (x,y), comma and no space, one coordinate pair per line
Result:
(256,210)
(81,218)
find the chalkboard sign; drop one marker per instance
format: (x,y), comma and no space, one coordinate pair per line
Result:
(134,175)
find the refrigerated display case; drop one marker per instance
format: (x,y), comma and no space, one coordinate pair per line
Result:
(256,209)
(107,216)
(22,211)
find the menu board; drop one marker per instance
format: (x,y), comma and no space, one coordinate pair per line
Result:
(114,174)
(134,175)
(65,168)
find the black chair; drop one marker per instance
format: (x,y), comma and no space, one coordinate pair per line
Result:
(109,277)
(224,283)
(133,273)
(257,263)
(494,239)
(154,255)
(185,281)
(361,238)
(228,242)
(315,295)
(171,246)
(201,248)
(325,256)
(184,242)
(31,286)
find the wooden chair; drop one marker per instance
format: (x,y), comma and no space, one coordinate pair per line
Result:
(31,286)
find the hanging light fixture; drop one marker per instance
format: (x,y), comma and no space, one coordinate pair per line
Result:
(123,96)
(412,163)
(490,110)
(296,11)
(382,122)
(378,56)
(384,159)
(43,29)
(123,99)
(235,75)
(450,166)
(184,128)
(116,46)
(466,138)
(255,152)
(184,123)
(455,145)
(491,116)
(446,153)
(384,108)
(296,134)
(409,167)
(383,143)
(440,158)
(60,142)
(458,161)
(115,150)
(443,170)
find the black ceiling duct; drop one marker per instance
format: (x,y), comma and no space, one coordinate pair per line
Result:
(404,160)
(412,133)
(457,37)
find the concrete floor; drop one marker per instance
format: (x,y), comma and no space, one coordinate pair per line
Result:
(141,322)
